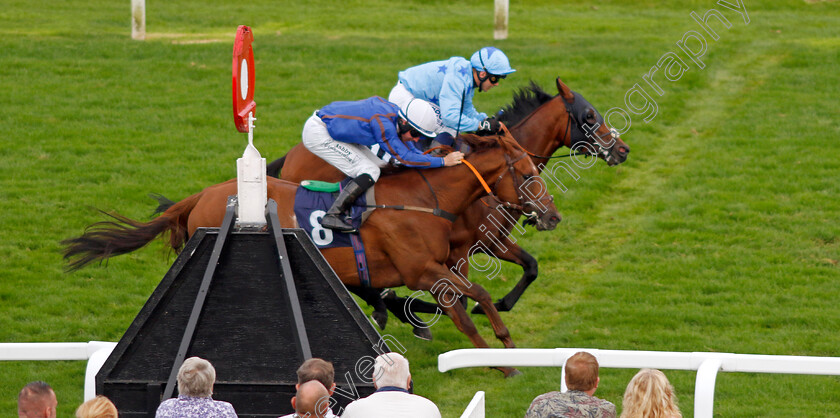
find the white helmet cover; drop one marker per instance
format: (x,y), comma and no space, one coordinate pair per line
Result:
(423,116)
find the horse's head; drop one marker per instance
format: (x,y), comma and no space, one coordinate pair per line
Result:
(589,133)
(543,123)
(519,186)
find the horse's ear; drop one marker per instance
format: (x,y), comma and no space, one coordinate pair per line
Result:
(564,90)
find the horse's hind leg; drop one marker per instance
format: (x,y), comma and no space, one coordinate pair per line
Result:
(530,269)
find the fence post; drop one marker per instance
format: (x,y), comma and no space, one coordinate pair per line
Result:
(138,19)
(704,387)
(501,20)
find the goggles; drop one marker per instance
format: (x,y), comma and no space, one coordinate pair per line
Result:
(495,78)
(406,127)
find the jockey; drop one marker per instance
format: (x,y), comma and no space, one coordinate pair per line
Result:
(342,132)
(451,84)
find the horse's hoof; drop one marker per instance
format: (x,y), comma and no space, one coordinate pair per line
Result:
(380,318)
(422,333)
(509,371)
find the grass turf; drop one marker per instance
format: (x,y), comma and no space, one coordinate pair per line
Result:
(718,234)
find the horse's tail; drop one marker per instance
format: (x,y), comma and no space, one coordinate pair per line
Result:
(274,168)
(163,203)
(122,235)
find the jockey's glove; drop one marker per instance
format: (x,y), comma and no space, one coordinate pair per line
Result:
(489,126)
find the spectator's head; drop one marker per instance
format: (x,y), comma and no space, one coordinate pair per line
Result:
(98,407)
(196,377)
(317,369)
(391,369)
(37,400)
(311,400)
(582,372)
(649,394)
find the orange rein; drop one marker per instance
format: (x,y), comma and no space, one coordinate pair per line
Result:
(478,176)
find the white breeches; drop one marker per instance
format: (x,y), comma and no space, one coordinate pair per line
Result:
(352,159)
(400,96)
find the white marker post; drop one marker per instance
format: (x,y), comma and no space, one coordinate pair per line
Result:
(250,169)
(500,29)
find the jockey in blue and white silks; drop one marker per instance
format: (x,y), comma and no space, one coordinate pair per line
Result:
(451,84)
(341,133)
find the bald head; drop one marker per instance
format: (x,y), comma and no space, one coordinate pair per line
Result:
(37,400)
(312,398)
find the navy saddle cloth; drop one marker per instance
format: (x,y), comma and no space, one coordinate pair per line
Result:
(310,208)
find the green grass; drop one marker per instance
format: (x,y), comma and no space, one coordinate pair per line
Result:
(719,234)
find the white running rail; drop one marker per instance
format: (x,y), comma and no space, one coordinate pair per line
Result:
(707,365)
(95,352)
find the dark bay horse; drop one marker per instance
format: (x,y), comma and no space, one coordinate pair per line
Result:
(542,124)
(404,248)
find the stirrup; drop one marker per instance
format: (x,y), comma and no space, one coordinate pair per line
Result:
(335,222)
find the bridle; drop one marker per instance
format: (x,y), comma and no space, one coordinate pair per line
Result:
(523,202)
(587,133)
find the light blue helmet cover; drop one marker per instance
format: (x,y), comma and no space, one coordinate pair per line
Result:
(492,60)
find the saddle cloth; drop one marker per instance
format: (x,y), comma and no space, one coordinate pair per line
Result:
(311,206)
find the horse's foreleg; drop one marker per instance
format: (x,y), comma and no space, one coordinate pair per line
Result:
(400,307)
(448,290)
(372,297)
(530,269)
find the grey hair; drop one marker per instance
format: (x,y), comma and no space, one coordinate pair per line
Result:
(196,377)
(391,369)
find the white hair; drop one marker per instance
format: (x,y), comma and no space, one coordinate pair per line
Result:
(391,369)
(196,377)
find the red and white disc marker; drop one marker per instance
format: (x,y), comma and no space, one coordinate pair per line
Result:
(243,78)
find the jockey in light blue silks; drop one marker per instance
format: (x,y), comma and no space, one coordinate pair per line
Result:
(342,134)
(451,84)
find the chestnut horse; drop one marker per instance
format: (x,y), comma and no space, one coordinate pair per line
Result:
(542,124)
(404,248)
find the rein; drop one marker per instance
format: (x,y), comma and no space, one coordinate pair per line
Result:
(507,205)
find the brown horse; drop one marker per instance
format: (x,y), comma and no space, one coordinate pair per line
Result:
(404,248)
(542,124)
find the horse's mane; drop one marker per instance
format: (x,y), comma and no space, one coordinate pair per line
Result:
(525,101)
(477,142)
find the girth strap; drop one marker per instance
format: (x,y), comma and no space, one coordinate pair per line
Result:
(437,211)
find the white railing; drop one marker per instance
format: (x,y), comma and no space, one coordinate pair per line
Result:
(95,352)
(707,365)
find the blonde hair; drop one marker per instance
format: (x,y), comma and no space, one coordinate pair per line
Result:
(650,395)
(98,407)
(196,377)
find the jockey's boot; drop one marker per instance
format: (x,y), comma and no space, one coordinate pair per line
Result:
(335,218)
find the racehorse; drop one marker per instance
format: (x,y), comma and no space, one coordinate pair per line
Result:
(542,124)
(403,248)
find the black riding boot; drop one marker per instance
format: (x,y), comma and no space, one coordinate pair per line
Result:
(335,218)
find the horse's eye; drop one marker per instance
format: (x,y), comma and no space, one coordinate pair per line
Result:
(527,177)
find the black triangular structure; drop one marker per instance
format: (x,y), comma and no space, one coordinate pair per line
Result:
(245,325)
